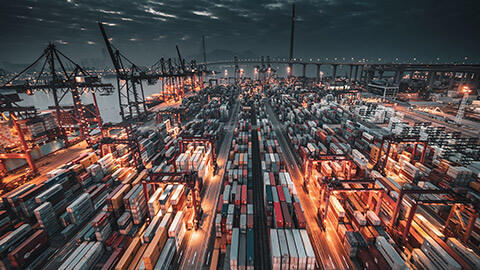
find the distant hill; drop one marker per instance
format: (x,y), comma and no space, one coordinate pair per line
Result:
(9,67)
(223,54)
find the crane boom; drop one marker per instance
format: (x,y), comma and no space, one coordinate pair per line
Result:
(182,64)
(116,65)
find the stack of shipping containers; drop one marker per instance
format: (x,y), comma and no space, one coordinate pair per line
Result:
(289,250)
(99,201)
(234,215)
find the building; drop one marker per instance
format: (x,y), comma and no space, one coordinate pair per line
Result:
(383,89)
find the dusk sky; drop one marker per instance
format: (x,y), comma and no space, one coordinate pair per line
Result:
(146,30)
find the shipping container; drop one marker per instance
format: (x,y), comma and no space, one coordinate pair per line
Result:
(311,260)
(284,251)
(276,255)
(29,250)
(152,253)
(278,216)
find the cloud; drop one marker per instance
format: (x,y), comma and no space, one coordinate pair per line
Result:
(274,5)
(159,13)
(110,11)
(324,28)
(205,14)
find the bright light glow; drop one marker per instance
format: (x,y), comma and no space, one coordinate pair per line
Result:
(466,89)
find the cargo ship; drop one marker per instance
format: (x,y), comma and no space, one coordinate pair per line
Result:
(154,100)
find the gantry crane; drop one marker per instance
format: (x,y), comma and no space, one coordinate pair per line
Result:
(59,75)
(131,96)
(190,179)
(130,140)
(454,201)
(210,139)
(313,161)
(129,84)
(264,70)
(25,150)
(360,185)
(394,139)
(174,112)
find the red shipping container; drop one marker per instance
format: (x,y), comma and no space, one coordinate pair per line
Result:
(110,240)
(244,194)
(243,209)
(277,210)
(100,219)
(113,259)
(272,179)
(29,250)
(281,195)
(378,257)
(117,242)
(250,221)
(366,260)
(287,218)
(303,152)
(299,215)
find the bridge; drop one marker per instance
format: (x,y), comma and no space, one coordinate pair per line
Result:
(368,71)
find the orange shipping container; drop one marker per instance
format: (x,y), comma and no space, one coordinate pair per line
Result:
(154,249)
(129,254)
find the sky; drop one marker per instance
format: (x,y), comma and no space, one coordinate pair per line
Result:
(144,31)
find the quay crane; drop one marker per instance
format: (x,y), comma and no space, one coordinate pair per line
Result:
(172,73)
(59,75)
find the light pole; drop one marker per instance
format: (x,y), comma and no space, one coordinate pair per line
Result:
(463,105)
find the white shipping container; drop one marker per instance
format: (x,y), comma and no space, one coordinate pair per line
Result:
(373,218)
(282,241)
(311,260)
(276,256)
(302,256)
(292,249)
(177,228)
(234,252)
(91,257)
(360,218)
(388,252)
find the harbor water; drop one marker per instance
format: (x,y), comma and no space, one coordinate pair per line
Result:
(108,105)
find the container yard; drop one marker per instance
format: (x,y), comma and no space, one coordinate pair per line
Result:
(178,165)
(283,172)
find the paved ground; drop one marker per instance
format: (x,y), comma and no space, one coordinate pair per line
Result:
(262,248)
(197,249)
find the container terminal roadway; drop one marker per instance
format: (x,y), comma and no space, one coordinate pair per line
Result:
(193,252)
(328,248)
